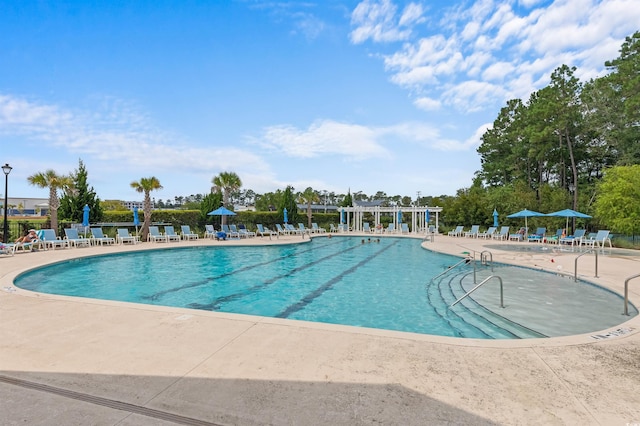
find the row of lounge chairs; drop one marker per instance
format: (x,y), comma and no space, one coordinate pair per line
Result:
(579,238)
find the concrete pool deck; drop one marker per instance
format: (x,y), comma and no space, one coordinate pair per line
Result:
(72,361)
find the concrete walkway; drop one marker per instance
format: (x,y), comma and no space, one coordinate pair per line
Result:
(72,361)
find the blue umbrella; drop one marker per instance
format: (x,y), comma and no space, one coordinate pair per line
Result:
(286,218)
(525,213)
(427,216)
(221,211)
(569,213)
(85,218)
(495,218)
(136,220)
(85,215)
(341,216)
(399,216)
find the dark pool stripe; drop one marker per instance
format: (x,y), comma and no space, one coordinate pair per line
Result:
(327,286)
(194,284)
(215,303)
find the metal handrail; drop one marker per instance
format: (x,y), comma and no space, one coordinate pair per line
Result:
(575,268)
(465,260)
(483,260)
(626,293)
(476,287)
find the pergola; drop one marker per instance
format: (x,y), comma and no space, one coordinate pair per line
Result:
(353,217)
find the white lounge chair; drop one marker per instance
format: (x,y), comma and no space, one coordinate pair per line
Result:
(209,231)
(262,231)
(458,232)
(98,237)
(575,239)
(124,236)
(315,228)
(170,233)
(473,232)
(404,228)
(186,234)
(538,236)
(599,240)
(488,234)
(50,239)
(503,234)
(155,235)
(75,240)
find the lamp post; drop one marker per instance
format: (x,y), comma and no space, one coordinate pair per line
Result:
(6,169)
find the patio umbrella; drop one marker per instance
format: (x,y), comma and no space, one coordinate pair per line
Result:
(495,218)
(221,211)
(569,213)
(136,219)
(85,218)
(399,216)
(426,216)
(526,214)
(341,216)
(285,215)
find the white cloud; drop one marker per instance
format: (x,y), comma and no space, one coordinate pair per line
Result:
(427,104)
(377,20)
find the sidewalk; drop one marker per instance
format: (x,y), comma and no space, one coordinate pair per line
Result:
(80,361)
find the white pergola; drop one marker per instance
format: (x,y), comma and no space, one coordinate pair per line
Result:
(353,217)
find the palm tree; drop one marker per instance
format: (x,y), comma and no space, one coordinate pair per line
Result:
(226,182)
(146,185)
(50,179)
(308,197)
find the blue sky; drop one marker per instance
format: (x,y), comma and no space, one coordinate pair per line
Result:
(377,95)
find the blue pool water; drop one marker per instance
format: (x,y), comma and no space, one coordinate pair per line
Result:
(385,284)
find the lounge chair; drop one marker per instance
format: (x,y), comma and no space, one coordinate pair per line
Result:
(332,228)
(456,232)
(98,237)
(538,236)
(503,234)
(520,235)
(262,231)
(473,232)
(8,249)
(599,240)
(390,229)
(155,235)
(229,232)
(209,231)
(186,234)
(281,230)
(315,228)
(123,236)
(304,229)
(75,240)
(488,234)
(366,227)
(404,228)
(170,233)
(50,239)
(575,239)
(555,239)
(244,232)
(293,230)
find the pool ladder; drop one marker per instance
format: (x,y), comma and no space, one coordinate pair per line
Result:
(478,286)
(626,293)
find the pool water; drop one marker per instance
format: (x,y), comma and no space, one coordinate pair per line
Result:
(380,283)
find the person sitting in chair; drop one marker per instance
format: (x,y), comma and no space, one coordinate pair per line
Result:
(29,237)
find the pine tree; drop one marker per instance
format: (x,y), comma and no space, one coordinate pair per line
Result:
(77,196)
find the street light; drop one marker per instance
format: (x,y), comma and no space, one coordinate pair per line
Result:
(6,169)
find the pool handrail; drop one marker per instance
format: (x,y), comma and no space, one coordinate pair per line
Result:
(465,260)
(626,293)
(478,286)
(575,267)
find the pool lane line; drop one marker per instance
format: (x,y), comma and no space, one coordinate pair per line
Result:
(206,281)
(329,284)
(215,303)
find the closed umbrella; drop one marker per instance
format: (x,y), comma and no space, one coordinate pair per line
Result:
(399,216)
(85,218)
(285,215)
(427,216)
(526,214)
(136,219)
(495,218)
(341,216)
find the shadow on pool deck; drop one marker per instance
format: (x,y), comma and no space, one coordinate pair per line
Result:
(96,399)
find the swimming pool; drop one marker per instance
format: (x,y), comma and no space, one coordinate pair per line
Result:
(383,283)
